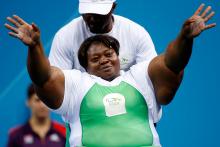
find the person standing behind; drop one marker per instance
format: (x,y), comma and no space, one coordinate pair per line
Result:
(98,18)
(40,130)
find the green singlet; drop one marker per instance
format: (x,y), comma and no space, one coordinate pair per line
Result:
(122,130)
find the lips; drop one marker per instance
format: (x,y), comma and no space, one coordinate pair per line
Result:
(106,68)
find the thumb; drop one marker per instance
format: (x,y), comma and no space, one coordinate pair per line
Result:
(35,27)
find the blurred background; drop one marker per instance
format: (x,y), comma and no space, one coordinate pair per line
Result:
(191,120)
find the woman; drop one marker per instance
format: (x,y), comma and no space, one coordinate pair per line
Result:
(106,107)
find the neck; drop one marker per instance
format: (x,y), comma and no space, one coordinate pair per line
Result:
(40,126)
(112,77)
(39,121)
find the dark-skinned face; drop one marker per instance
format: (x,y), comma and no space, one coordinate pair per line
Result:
(103,62)
(98,24)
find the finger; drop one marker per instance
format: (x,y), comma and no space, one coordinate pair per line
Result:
(20,20)
(210,26)
(35,27)
(15,35)
(209,16)
(11,28)
(199,9)
(14,22)
(206,11)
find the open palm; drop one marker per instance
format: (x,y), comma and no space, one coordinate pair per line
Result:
(28,34)
(197,23)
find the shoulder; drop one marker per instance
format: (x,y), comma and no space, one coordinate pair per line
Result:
(126,21)
(130,29)
(74,79)
(70,27)
(59,128)
(138,73)
(76,75)
(15,131)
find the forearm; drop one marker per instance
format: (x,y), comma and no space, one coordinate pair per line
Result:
(178,53)
(38,64)
(166,70)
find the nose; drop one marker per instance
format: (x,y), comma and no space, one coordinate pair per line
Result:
(103,60)
(89,18)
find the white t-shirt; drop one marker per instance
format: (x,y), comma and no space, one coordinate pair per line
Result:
(78,85)
(135,43)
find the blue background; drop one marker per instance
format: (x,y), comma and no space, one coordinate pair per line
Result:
(191,120)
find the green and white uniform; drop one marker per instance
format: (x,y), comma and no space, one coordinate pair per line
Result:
(120,113)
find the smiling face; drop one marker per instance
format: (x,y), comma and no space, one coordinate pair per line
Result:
(103,62)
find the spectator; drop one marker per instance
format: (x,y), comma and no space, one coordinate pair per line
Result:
(40,130)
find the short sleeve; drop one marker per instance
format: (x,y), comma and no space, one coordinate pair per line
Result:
(13,138)
(141,77)
(73,79)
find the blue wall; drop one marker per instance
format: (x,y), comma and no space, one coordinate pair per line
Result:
(192,119)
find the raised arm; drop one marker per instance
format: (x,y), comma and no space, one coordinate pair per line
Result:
(49,81)
(166,70)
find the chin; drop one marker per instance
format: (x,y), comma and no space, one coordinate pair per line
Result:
(43,115)
(96,30)
(109,78)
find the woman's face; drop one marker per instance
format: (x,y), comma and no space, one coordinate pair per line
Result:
(103,62)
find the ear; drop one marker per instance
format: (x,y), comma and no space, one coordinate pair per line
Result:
(113,7)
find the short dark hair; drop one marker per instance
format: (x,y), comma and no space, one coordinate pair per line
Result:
(106,40)
(30,91)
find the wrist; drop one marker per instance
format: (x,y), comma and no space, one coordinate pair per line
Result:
(35,44)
